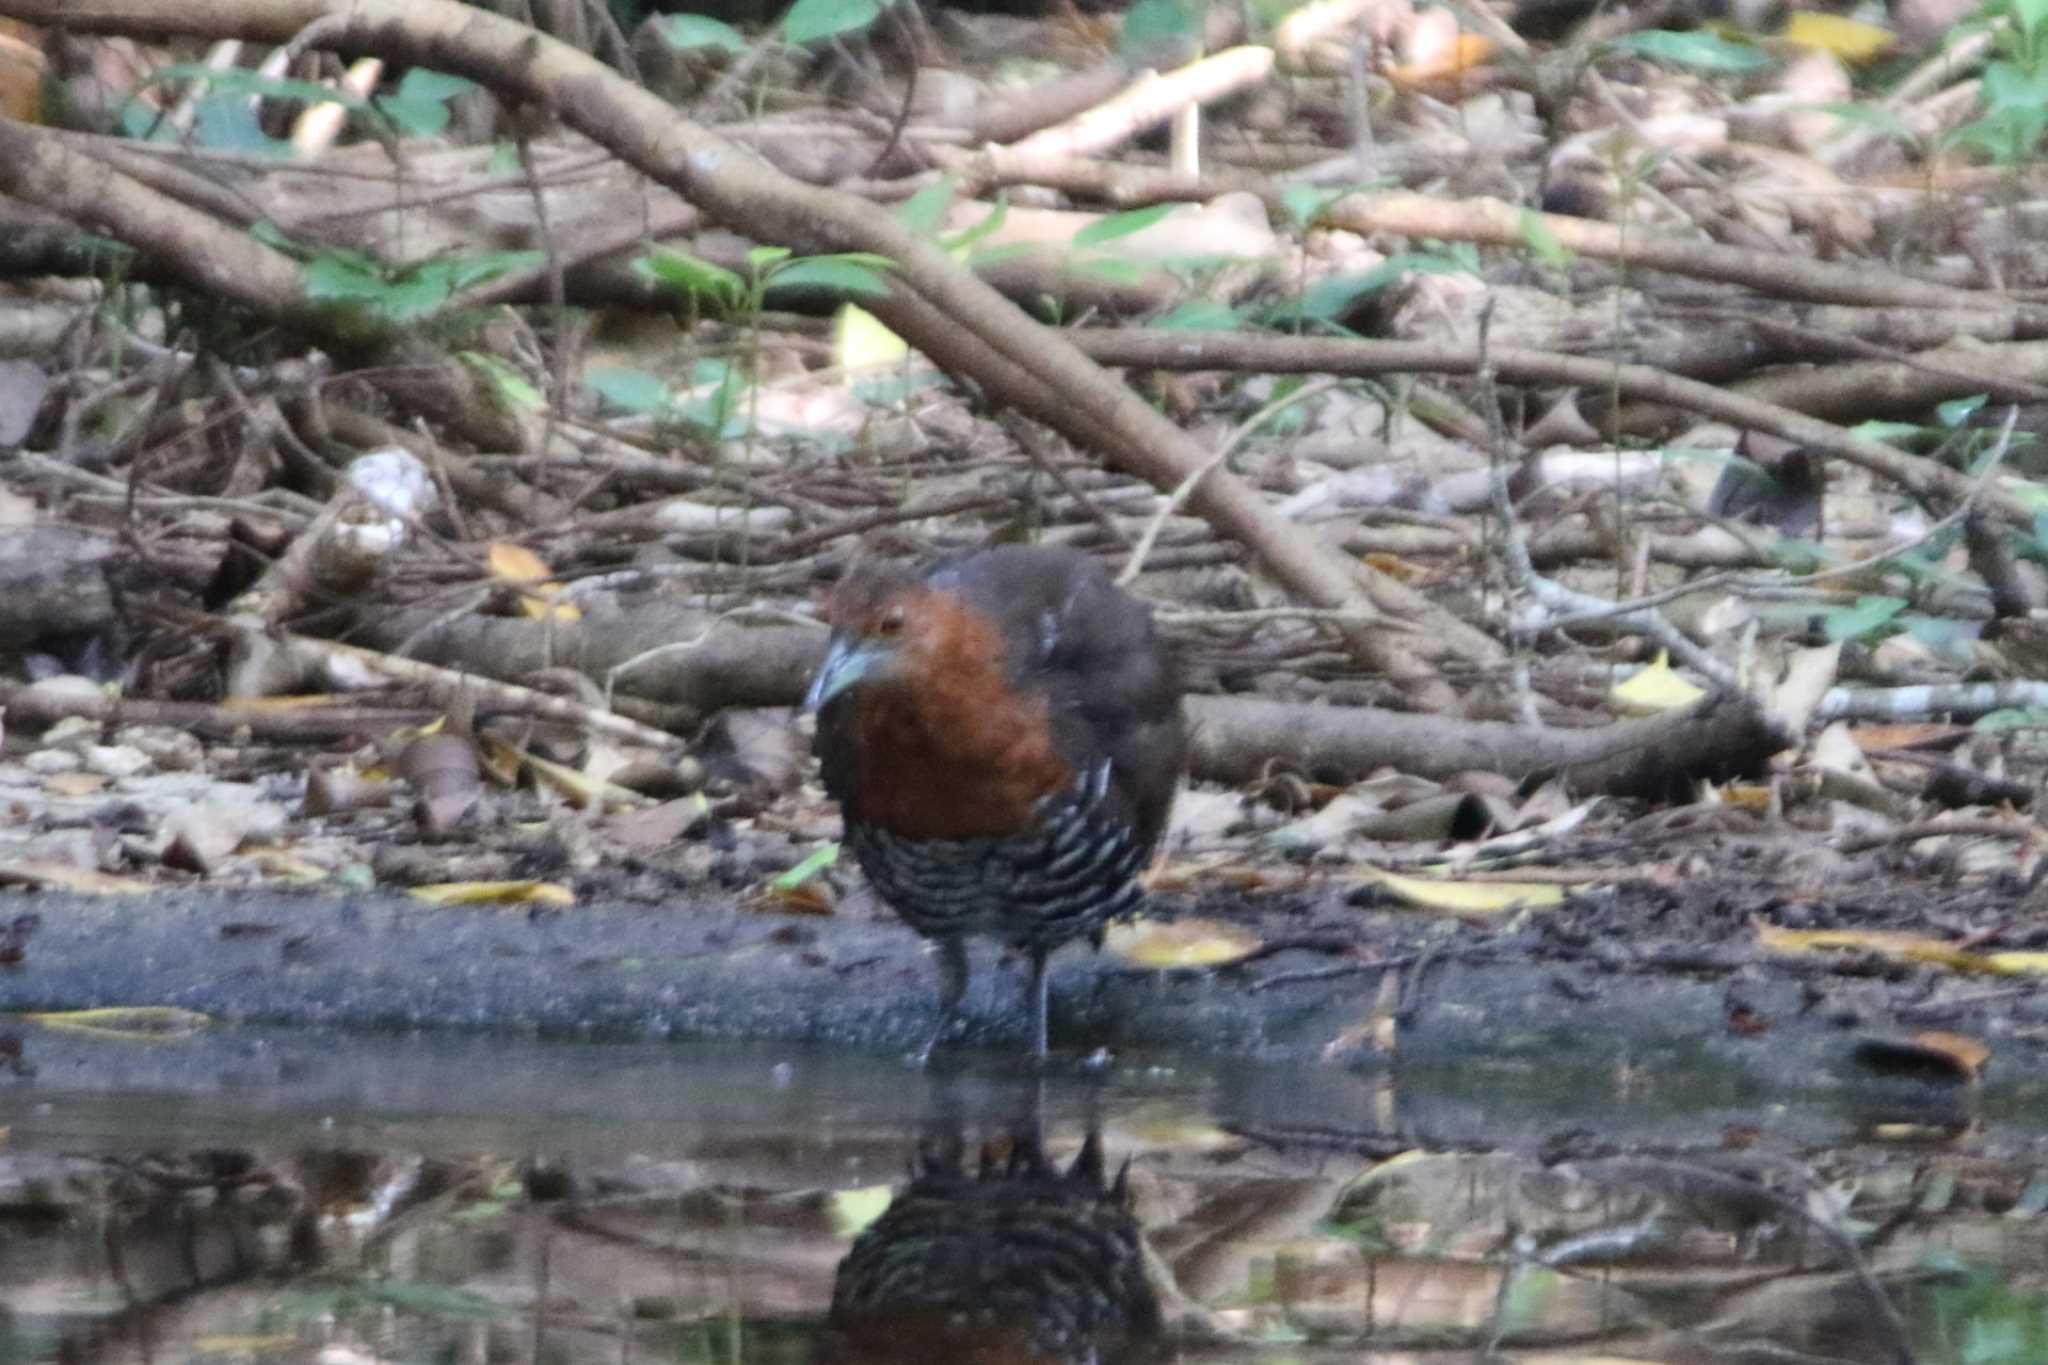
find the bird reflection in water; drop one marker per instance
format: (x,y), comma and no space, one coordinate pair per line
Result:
(1014,1261)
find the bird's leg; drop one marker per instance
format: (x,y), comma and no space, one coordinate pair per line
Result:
(952,990)
(1037,1000)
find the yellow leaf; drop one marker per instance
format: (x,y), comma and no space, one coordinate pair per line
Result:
(245,1345)
(1747,796)
(1468,51)
(494,893)
(1888,942)
(2019,964)
(860,342)
(275,862)
(135,1023)
(65,877)
(513,563)
(1653,690)
(579,789)
(1468,898)
(1180,943)
(542,605)
(850,1211)
(1848,39)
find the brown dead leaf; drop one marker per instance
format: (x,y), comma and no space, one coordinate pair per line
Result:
(810,897)
(1877,739)
(658,826)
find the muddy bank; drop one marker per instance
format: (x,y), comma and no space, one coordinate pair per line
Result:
(1355,992)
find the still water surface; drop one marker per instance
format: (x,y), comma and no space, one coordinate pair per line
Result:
(243,1195)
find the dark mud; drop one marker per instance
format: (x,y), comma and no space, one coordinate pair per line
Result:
(1641,990)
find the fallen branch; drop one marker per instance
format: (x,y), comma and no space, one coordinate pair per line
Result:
(1239,739)
(1924,479)
(935,304)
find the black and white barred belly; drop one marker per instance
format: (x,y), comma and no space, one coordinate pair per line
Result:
(1074,870)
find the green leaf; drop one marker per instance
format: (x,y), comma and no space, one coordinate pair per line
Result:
(1157,32)
(764,257)
(817,861)
(835,273)
(924,211)
(1956,411)
(634,390)
(1331,298)
(420,106)
(461,272)
(699,277)
(1697,49)
(975,233)
(242,82)
(1305,203)
(273,236)
(1120,225)
(1111,269)
(1198,315)
(810,21)
(1947,636)
(511,387)
(1877,430)
(228,123)
(717,413)
(1538,237)
(337,277)
(2014,718)
(688,32)
(1868,614)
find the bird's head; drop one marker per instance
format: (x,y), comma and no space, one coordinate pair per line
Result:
(889,628)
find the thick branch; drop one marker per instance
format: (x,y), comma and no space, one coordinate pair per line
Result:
(1072,395)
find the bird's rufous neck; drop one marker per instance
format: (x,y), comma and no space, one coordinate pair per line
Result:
(954,751)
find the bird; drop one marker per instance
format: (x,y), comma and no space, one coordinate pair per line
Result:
(1016,1264)
(1004,735)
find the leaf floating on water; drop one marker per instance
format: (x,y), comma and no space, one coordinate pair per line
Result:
(1468,898)
(495,893)
(1167,944)
(137,1023)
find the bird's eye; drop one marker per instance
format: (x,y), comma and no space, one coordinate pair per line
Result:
(891,622)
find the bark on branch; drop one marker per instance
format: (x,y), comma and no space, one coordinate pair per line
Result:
(941,308)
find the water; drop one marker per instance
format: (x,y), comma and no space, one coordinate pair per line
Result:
(246,1195)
